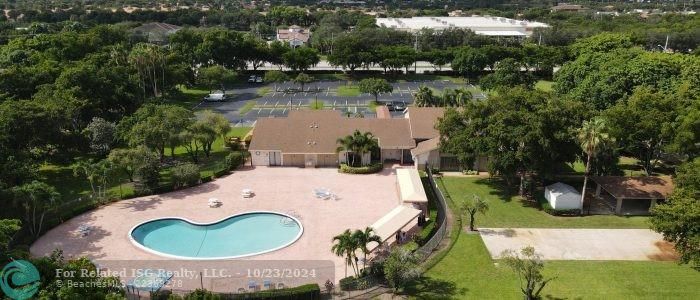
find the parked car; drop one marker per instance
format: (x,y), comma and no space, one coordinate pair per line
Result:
(252,79)
(399,105)
(258,79)
(216,97)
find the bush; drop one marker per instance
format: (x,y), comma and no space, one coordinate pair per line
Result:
(233,144)
(307,291)
(356,283)
(559,212)
(200,294)
(222,172)
(373,168)
(185,175)
(234,160)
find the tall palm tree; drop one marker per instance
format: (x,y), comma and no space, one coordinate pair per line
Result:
(424,97)
(344,245)
(592,136)
(358,143)
(364,237)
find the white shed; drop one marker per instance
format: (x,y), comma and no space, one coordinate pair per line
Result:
(562,196)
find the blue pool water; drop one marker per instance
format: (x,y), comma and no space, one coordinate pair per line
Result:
(237,236)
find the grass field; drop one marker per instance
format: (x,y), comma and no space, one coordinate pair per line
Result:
(506,210)
(544,85)
(316,105)
(247,107)
(468,272)
(348,91)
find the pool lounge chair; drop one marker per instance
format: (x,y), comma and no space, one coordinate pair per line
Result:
(84,229)
(247,193)
(267,284)
(213,202)
(252,285)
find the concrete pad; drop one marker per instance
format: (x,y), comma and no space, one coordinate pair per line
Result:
(581,244)
(362,200)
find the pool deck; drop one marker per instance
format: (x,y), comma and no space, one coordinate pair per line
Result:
(362,199)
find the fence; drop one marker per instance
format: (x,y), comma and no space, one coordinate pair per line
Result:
(441,219)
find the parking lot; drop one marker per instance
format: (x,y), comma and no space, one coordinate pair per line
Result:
(272,100)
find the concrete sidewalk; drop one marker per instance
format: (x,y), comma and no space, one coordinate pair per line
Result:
(581,244)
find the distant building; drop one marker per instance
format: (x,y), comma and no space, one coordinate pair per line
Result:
(295,36)
(156,33)
(568,7)
(486,25)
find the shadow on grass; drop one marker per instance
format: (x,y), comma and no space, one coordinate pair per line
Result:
(499,188)
(431,288)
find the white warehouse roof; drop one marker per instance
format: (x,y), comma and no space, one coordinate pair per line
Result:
(492,26)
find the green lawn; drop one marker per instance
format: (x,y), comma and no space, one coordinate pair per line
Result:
(509,211)
(468,272)
(544,85)
(190,96)
(316,105)
(348,91)
(247,107)
(71,187)
(263,91)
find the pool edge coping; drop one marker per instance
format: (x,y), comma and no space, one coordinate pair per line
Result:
(149,250)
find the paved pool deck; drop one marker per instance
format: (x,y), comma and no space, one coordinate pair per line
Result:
(362,199)
(581,244)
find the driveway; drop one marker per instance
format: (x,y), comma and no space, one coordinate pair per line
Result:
(581,244)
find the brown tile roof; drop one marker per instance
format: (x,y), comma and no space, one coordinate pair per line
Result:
(426,146)
(423,120)
(286,35)
(382,112)
(647,187)
(316,131)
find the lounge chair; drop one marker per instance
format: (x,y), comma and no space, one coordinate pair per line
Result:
(252,285)
(213,202)
(84,229)
(267,284)
(247,193)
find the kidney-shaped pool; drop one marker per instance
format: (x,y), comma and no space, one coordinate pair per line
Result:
(240,235)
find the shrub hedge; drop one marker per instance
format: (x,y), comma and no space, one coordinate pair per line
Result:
(559,212)
(307,291)
(234,160)
(185,175)
(372,168)
(357,283)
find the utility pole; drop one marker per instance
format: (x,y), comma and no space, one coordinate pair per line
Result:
(415,48)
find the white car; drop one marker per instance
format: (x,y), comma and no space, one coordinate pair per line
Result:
(258,79)
(216,97)
(251,79)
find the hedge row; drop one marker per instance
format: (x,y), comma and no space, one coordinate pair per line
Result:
(302,292)
(559,212)
(373,168)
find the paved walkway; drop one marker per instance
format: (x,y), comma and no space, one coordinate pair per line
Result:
(581,244)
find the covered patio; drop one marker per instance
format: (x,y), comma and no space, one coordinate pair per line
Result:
(411,190)
(633,195)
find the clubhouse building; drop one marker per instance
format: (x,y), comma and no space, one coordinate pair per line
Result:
(308,138)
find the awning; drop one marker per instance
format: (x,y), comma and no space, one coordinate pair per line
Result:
(410,186)
(392,222)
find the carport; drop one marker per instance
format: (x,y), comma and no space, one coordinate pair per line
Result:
(633,195)
(411,190)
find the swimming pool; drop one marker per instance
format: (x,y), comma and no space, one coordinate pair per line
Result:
(241,235)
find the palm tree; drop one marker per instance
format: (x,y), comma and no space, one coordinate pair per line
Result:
(356,143)
(471,207)
(424,97)
(345,245)
(592,136)
(364,237)
(455,98)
